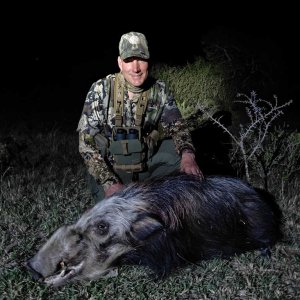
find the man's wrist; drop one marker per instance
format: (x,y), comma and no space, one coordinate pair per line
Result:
(109,182)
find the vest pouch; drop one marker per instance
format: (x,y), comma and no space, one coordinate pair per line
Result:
(128,155)
(101,143)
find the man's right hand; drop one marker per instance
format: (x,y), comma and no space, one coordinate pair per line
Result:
(114,188)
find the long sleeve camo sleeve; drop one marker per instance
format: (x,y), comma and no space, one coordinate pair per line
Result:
(172,123)
(91,123)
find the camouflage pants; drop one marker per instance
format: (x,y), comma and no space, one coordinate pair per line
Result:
(163,162)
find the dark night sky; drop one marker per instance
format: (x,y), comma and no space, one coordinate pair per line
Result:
(50,56)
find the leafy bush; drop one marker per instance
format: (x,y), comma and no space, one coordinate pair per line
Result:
(197,82)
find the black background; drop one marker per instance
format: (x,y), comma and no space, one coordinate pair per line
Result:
(52,54)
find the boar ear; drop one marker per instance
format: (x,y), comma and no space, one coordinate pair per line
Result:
(145,227)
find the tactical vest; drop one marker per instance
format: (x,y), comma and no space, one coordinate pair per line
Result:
(127,145)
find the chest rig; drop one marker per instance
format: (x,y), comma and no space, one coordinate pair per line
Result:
(127,145)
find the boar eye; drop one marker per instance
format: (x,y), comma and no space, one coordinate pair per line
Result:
(79,238)
(102,227)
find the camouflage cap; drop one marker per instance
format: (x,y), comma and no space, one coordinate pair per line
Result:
(133,44)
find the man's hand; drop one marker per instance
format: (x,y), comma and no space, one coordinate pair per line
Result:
(189,165)
(114,188)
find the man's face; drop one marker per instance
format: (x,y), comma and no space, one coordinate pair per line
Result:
(134,69)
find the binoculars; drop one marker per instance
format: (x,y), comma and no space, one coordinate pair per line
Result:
(126,134)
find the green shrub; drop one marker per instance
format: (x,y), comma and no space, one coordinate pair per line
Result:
(197,83)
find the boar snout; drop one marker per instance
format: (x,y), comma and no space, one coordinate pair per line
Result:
(34,273)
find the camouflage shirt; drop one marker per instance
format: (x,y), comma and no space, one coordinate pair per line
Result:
(98,117)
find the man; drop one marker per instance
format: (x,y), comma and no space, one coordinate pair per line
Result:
(130,128)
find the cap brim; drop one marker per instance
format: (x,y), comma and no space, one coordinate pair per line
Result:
(134,54)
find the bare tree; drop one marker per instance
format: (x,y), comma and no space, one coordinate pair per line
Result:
(248,142)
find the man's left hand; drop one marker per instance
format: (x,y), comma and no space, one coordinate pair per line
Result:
(189,165)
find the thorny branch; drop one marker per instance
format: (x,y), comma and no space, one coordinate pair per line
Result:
(251,137)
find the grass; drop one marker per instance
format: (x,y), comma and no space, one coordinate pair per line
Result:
(43,187)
